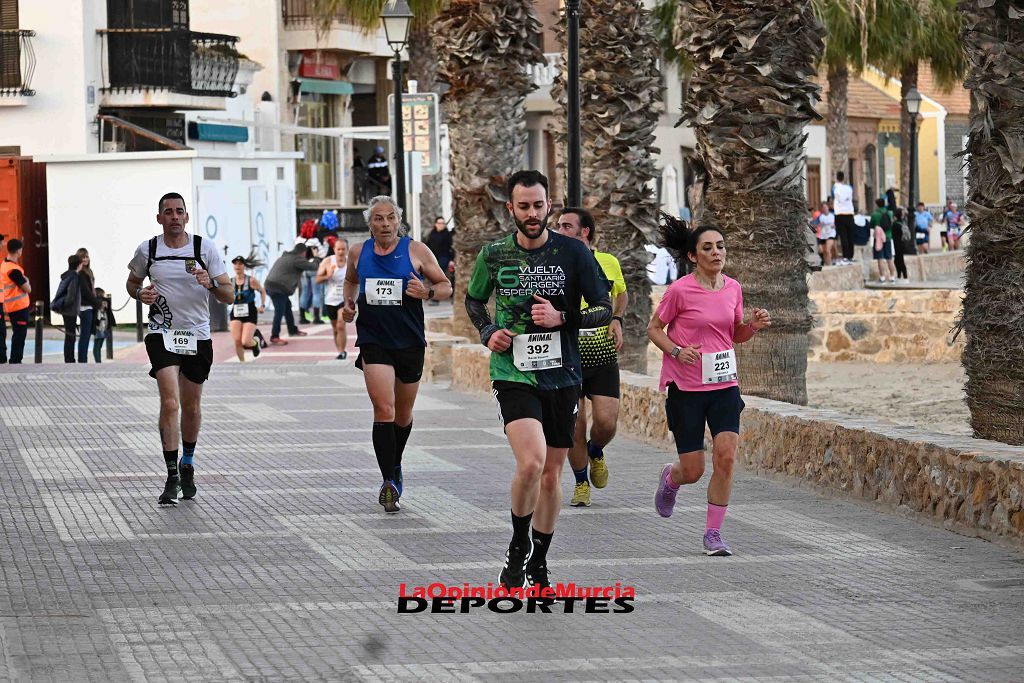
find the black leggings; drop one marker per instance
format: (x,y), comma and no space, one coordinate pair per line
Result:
(901,265)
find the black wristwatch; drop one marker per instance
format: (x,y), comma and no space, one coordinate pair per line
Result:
(562,313)
(619,318)
(430,294)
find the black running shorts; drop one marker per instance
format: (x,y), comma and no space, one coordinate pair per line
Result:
(555,409)
(408,363)
(689,411)
(331,311)
(601,381)
(195,368)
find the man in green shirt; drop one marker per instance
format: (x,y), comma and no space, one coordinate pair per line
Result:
(539,279)
(598,348)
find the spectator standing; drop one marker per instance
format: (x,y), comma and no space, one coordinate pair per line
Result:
(826,233)
(280,285)
(68,302)
(3,320)
(16,288)
(102,326)
(86,314)
(954,221)
(903,244)
(311,293)
(378,172)
(922,227)
(842,196)
(439,241)
(881,228)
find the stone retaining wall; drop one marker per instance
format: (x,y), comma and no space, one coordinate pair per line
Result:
(967,485)
(920,268)
(875,325)
(886,326)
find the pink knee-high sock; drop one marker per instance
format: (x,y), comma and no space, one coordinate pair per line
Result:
(716,515)
(668,480)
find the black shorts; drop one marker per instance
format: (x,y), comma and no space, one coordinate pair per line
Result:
(251,318)
(555,409)
(688,411)
(601,381)
(332,311)
(408,363)
(195,368)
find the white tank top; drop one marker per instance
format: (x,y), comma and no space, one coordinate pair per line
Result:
(335,292)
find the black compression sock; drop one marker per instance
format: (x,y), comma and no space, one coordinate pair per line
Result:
(384,448)
(401,437)
(541,543)
(171,459)
(521,529)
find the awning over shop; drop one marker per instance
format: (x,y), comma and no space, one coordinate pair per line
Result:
(325,87)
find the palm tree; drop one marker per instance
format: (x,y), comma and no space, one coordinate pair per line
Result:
(620,92)
(846,45)
(991,315)
(928,31)
(751,94)
(484,48)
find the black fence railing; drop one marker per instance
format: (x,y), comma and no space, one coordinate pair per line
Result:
(185,62)
(17,62)
(148,14)
(302,13)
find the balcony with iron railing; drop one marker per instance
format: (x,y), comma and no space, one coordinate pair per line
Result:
(301,14)
(189,68)
(17,63)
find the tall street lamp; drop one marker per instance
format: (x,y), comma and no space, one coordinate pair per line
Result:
(575,193)
(913,106)
(397,18)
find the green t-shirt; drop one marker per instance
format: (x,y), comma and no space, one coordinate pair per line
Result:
(563,271)
(877,219)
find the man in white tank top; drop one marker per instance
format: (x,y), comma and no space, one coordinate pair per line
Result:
(332,272)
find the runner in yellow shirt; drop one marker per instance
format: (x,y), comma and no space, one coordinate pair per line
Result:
(598,347)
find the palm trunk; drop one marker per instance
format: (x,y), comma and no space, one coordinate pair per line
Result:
(623,104)
(750,98)
(837,127)
(908,80)
(483,47)
(423,69)
(991,315)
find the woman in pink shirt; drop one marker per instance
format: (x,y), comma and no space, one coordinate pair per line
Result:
(703,312)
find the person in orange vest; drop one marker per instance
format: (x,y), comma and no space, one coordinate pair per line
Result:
(3,320)
(16,288)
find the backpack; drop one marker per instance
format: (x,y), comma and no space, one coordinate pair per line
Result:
(67,291)
(197,242)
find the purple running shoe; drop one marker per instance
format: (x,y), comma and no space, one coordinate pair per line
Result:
(665,498)
(714,545)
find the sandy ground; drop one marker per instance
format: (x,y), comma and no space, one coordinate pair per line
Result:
(926,395)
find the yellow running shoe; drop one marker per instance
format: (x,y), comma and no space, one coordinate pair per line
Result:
(598,472)
(581,495)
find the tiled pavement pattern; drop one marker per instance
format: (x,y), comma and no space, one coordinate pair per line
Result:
(285,568)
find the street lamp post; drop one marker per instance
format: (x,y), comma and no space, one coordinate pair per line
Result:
(913,107)
(397,17)
(573,153)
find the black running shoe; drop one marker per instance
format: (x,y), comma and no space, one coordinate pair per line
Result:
(188,481)
(389,497)
(256,350)
(513,575)
(259,337)
(170,494)
(538,575)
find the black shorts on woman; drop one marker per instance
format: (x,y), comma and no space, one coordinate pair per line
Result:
(689,411)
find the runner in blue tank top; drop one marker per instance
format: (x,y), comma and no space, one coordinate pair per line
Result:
(389,277)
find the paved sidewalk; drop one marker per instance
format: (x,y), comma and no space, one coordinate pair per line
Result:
(285,568)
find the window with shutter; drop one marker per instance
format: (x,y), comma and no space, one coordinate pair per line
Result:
(10,48)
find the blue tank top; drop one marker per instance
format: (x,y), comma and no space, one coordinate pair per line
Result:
(390,326)
(244,294)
